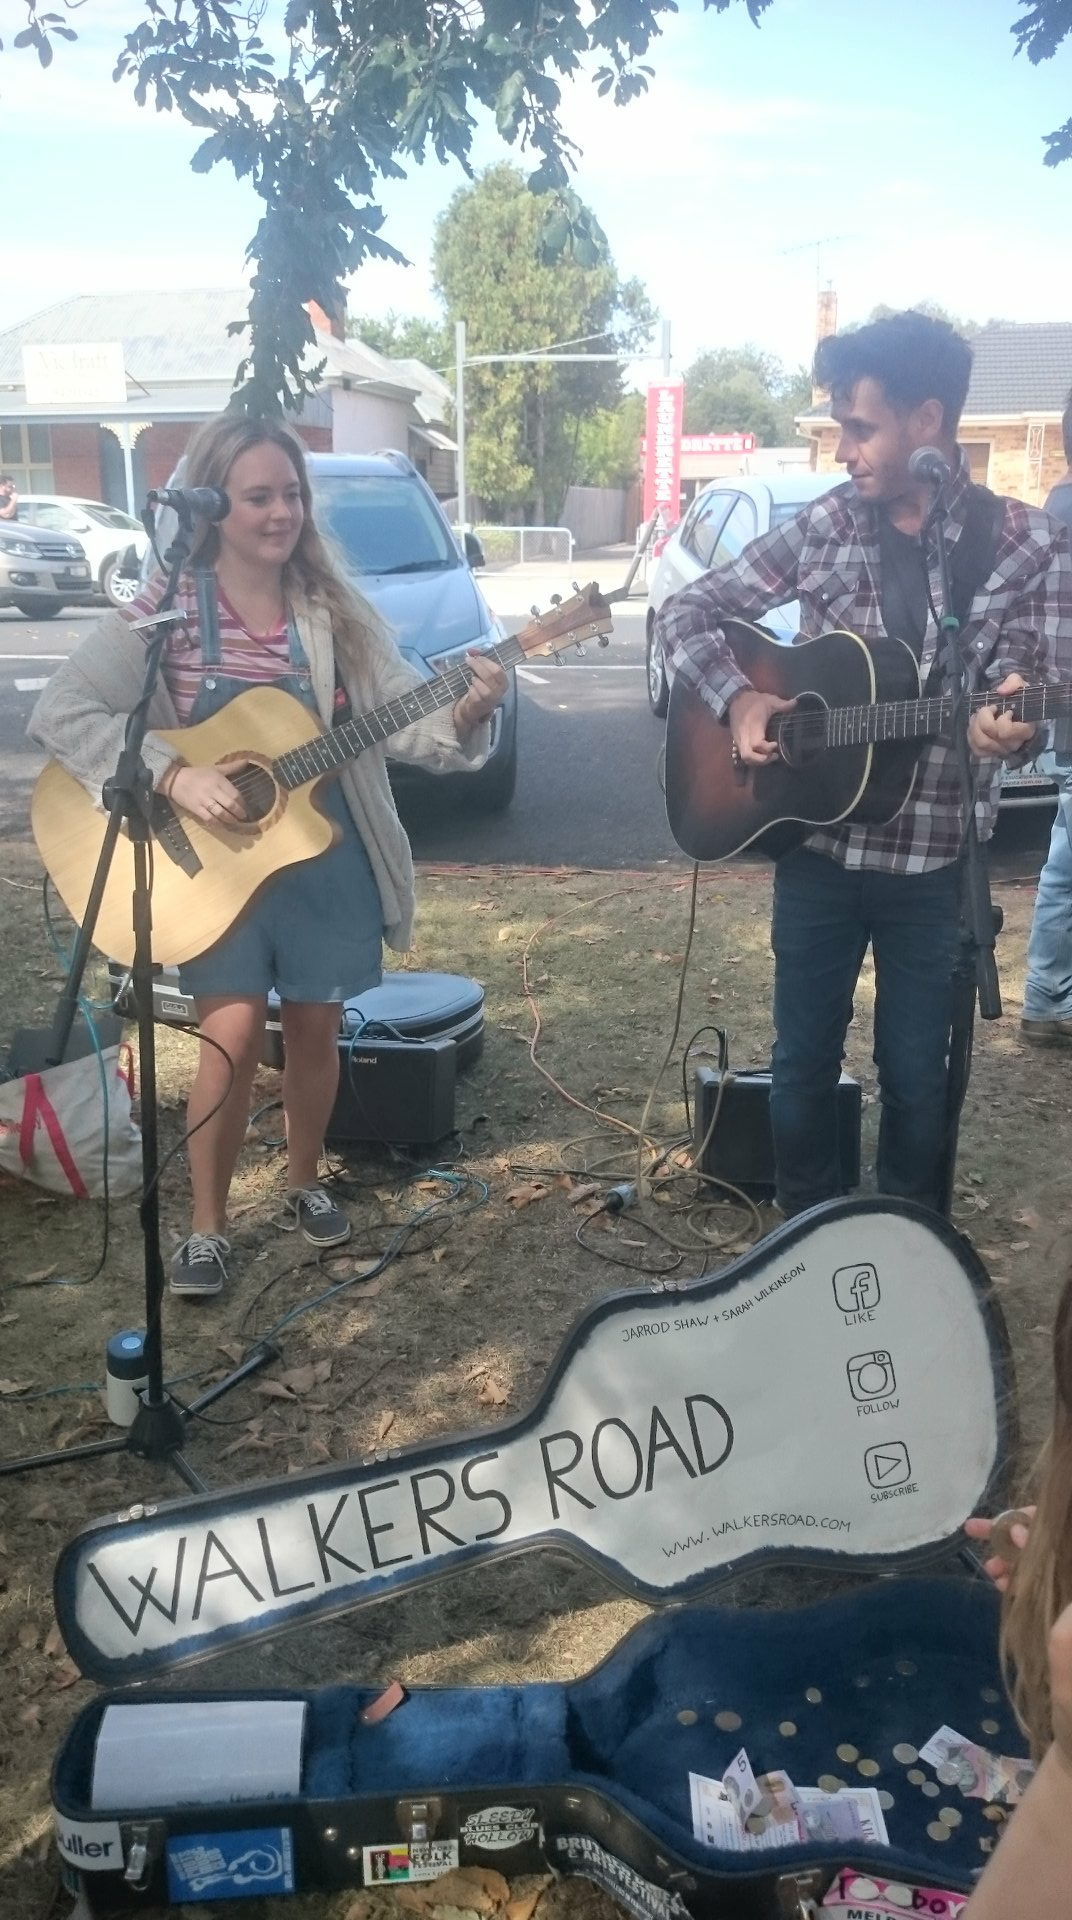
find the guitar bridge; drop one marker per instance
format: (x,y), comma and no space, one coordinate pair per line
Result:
(171,835)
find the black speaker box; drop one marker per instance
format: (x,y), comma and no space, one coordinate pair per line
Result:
(397,1092)
(741,1148)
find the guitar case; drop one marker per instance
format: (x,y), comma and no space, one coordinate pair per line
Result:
(840,1398)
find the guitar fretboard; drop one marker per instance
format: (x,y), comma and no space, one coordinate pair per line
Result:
(327,752)
(928,717)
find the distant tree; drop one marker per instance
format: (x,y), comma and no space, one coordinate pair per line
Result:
(405,336)
(608,445)
(745,390)
(524,419)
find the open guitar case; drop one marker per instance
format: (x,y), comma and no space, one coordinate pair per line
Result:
(839,1398)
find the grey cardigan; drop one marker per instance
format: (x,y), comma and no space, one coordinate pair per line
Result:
(81,716)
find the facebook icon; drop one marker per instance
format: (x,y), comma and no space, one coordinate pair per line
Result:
(856,1289)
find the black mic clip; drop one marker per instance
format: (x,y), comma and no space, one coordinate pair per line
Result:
(930,466)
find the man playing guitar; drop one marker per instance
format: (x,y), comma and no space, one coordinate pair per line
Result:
(854,558)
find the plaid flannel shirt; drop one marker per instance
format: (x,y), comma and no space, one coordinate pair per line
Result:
(827,558)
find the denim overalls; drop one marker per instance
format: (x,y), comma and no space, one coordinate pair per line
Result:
(316,931)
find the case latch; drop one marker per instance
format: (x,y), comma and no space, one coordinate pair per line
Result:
(143,1845)
(798,1894)
(419,1819)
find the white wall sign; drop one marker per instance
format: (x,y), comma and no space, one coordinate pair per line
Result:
(832,1394)
(72,376)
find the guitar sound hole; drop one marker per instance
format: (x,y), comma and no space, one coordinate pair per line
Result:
(258,791)
(802,734)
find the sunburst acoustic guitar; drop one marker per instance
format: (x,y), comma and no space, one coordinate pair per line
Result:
(205,877)
(848,751)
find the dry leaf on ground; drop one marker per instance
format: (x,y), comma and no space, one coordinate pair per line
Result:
(524,1195)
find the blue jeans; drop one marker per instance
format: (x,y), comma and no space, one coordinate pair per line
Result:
(824,916)
(1048,987)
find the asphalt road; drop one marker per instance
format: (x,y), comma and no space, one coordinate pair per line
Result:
(588,791)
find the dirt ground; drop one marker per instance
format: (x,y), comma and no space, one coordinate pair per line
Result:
(459,1331)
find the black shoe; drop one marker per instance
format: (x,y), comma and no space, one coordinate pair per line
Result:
(198,1266)
(322,1223)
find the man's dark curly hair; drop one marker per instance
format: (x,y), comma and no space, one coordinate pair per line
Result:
(912,358)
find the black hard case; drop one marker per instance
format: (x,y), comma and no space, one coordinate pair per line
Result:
(601,1764)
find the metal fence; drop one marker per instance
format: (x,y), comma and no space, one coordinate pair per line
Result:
(517,546)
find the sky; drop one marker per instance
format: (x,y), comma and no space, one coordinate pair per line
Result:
(893,148)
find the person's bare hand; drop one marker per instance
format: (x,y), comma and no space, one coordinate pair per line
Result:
(749,713)
(487,686)
(992,733)
(998,1567)
(208,793)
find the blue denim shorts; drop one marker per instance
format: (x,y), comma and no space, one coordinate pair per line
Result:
(314,934)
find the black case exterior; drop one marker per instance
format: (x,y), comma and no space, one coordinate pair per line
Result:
(602,1764)
(740,1149)
(591,1777)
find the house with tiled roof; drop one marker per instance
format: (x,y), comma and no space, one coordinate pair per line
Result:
(117,382)
(1011,425)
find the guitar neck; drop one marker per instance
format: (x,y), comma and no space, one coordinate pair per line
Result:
(930,717)
(330,751)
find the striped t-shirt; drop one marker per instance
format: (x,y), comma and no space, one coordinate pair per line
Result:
(251,657)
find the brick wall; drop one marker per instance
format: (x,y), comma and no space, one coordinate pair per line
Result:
(161,447)
(317,439)
(76,461)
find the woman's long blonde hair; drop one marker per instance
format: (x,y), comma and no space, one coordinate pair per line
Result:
(314,572)
(1040,1587)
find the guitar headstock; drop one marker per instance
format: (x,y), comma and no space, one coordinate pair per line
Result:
(567,622)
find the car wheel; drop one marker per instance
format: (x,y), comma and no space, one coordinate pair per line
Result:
(493,788)
(119,588)
(40,609)
(658,685)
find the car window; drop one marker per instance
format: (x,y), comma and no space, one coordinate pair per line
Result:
(111,517)
(739,529)
(384,525)
(708,521)
(60,519)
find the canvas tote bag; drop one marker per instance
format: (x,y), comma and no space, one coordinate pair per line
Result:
(53,1125)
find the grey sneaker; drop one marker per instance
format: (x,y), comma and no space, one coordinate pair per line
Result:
(198,1266)
(321,1221)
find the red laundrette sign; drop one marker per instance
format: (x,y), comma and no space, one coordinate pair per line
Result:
(662,453)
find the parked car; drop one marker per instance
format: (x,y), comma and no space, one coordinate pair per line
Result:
(722,519)
(41,573)
(393,536)
(105,533)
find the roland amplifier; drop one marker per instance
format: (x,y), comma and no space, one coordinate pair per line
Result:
(741,1148)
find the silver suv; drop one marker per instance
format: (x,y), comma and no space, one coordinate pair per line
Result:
(42,572)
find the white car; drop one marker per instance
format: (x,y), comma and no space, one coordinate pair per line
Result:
(722,519)
(105,533)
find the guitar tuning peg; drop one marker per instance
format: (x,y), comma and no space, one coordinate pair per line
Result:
(535,612)
(556,599)
(576,588)
(604,639)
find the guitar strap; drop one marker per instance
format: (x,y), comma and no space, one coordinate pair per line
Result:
(208,613)
(972,559)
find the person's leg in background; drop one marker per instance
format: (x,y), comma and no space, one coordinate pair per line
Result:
(1047,1017)
(915,930)
(819,937)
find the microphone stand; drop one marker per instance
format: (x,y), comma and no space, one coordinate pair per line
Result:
(975,973)
(159,1425)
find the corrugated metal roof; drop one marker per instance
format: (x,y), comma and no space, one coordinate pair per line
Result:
(178,336)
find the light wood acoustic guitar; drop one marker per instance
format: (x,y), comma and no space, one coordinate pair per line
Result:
(205,877)
(848,751)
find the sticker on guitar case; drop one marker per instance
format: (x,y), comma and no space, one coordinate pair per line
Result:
(579,1853)
(421,1860)
(859,1897)
(230,1866)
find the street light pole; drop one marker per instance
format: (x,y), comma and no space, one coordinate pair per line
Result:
(459,410)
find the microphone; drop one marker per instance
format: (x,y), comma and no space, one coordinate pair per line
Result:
(930,466)
(210,502)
